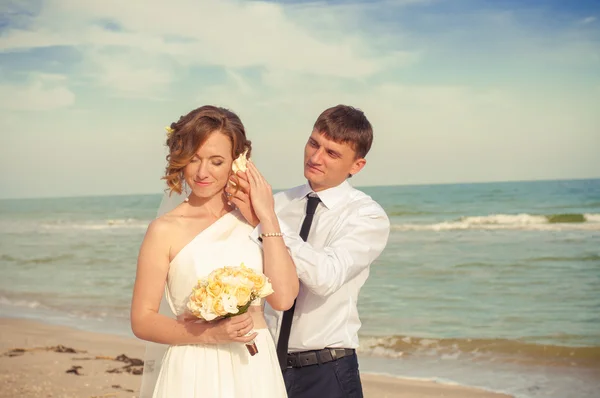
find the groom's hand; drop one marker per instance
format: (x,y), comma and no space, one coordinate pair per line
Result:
(240,196)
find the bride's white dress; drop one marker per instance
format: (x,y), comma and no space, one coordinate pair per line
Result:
(221,370)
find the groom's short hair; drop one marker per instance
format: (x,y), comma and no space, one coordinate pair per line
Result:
(346,124)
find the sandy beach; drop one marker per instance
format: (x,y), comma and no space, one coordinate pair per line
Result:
(42,360)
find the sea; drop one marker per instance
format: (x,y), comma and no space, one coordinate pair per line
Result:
(491,285)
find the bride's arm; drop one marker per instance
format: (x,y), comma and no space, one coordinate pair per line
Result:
(148,324)
(278,265)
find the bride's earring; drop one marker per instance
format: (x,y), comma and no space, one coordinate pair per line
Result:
(185,189)
(226,197)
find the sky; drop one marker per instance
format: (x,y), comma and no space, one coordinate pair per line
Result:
(456,91)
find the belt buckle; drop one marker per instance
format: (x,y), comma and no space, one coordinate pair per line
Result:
(333,354)
(338,353)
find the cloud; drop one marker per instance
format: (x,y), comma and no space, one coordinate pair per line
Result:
(41,92)
(424,132)
(456,91)
(190,33)
(129,73)
(588,20)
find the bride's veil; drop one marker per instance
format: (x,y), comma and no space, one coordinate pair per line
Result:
(154,351)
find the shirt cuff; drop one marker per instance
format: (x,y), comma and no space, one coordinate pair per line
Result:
(255,235)
(288,233)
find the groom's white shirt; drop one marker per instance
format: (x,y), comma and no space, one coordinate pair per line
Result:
(348,232)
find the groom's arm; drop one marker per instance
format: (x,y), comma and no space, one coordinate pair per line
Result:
(356,244)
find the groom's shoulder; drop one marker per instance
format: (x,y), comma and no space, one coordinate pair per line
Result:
(364,204)
(287,195)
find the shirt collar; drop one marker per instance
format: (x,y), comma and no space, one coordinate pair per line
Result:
(329,197)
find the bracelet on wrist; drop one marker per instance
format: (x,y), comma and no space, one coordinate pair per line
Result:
(271,235)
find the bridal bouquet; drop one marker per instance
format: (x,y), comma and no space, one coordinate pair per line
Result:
(226,292)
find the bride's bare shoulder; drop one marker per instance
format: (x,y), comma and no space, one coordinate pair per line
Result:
(166,224)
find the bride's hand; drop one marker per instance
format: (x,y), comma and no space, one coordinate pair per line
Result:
(236,328)
(240,197)
(261,194)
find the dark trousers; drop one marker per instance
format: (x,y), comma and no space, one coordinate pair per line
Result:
(336,379)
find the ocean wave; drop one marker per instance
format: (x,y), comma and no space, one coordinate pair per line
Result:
(402,213)
(526,222)
(453,348)
(36,260)
(128,223)
(438,380)
(57,306)
(582,258)
(20,303)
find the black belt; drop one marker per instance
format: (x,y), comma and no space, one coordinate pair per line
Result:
(308,358)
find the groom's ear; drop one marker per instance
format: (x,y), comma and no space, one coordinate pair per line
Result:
(358,165)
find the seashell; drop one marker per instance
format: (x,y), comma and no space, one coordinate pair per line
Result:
(240,164)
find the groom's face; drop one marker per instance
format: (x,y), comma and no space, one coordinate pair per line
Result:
(328,163)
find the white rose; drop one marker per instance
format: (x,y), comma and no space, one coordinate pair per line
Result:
(246,282)
(193,307)
(266,290)
(229,303)
(232,280)
(206,310)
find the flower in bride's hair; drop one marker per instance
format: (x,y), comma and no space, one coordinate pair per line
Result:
(169,131)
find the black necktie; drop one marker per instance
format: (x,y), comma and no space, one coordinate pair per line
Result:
(286,323)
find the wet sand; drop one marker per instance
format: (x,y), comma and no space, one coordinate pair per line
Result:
(37,360)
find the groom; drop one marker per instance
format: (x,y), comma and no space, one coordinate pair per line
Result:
(334,232)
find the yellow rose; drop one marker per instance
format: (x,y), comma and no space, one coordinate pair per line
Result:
(245,270)
(217,275)
(242,295)
(266,290)
(238,273)
(214,288)
(200,295)
(194,308)
(217,307)
(228,289)
(258,281)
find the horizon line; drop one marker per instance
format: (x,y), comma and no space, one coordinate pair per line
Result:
(283,189)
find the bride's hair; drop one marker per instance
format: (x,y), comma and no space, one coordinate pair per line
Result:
(191,131)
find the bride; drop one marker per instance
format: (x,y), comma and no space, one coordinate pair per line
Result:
(203,232)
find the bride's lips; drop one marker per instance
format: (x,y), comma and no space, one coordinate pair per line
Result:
(201,183)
